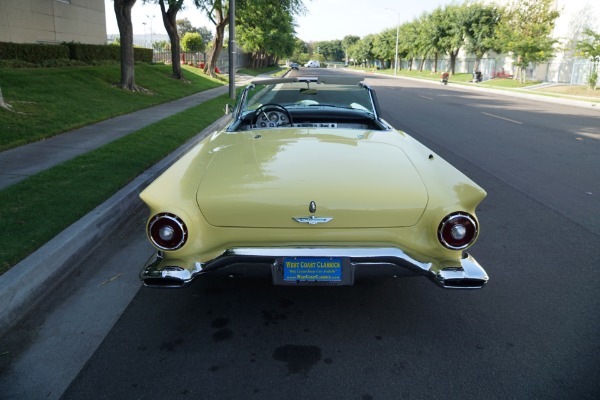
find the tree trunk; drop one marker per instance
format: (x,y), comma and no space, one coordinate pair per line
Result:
(478,58)
(123,14)
(453,56)
(170,21)
(520,75)
(210,66)
(435,62)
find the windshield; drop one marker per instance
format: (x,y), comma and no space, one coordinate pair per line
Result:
(303,94)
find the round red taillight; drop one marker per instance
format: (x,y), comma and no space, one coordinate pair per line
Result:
(167,231)
(458,231)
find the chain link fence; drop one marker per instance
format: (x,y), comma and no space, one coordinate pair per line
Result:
(571,72)
(199,59)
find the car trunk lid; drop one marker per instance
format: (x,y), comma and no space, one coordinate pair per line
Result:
(272,184)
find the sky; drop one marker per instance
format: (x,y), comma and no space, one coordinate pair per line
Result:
(324,20)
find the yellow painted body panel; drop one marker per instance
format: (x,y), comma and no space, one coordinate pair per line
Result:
(249,177)
(266,181)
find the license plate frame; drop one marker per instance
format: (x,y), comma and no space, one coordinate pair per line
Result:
(313,271)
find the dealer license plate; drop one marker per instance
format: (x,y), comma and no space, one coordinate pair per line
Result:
(312,269)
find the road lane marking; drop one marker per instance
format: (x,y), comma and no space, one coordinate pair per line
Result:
(425,97)
(506,119)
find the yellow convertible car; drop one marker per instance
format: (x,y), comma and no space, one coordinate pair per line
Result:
(311,185)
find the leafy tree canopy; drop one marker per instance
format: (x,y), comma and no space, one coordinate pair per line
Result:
(590,46)
(331,50)
(192,42)
(526,31)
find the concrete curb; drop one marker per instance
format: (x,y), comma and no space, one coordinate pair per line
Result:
(25,285)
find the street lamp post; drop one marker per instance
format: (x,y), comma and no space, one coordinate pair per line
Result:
(151,38)
(145,36)
(232,49)
(397,34)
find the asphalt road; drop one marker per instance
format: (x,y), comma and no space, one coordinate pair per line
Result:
(532,332)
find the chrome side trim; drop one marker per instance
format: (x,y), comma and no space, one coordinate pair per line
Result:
(463,274)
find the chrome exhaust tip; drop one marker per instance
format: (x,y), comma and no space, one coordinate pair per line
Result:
(163,283)
(469,275)
(161,273)
(464,283)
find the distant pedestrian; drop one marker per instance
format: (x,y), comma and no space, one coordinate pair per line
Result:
(444,78)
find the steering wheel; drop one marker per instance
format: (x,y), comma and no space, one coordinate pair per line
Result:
(265,108)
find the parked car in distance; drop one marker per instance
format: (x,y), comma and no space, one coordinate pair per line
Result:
(310,184)
(313,64)
(295,66)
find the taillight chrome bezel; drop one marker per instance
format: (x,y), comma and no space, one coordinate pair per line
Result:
(178,229)
(457,222)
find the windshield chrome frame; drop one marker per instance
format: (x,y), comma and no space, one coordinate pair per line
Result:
(241,101)
(349,80)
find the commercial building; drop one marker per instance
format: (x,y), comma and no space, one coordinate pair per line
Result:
(52,21)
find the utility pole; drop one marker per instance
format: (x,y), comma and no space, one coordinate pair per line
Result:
(232,49)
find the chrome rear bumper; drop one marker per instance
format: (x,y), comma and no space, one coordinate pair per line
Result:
(463,274)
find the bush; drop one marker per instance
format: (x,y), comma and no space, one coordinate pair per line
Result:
(32,52)
(26,55)
(142,55)
(61,62)
(17,64)
(92,52)
(97,63)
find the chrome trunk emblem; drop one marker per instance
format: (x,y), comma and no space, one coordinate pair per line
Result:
(312,220)
(312,207)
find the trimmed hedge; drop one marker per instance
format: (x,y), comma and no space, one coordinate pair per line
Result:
(32,52)
(143,55)
(93,52)
(80,52)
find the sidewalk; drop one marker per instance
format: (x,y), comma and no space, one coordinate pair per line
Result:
(21,162)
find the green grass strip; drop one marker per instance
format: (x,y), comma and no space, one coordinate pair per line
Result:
(35,210)
(49,101)
(274,71)
(456,78)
